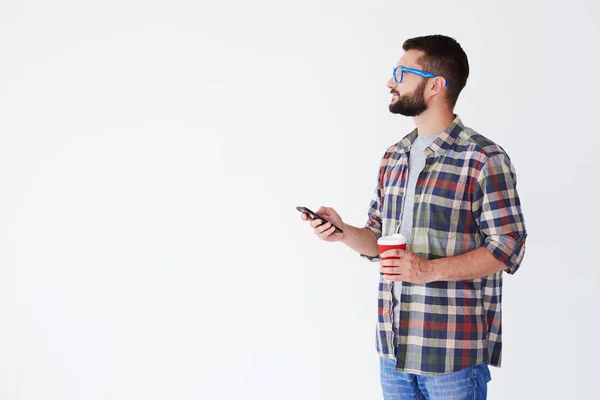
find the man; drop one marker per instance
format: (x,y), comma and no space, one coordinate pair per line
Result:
(452,193)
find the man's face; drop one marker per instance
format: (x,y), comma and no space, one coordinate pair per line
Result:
(408,96)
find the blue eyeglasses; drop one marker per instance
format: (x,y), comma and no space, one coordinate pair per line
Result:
(400,70)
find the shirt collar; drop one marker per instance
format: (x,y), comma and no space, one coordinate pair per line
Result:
(440,145)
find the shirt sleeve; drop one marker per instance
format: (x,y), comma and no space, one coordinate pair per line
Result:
(497,210)
(374,221)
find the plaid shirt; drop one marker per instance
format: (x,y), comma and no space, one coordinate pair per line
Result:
(465,198)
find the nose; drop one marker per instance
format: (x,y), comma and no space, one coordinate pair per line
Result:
(391,83)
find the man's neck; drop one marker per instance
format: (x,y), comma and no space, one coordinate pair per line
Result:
(433,122)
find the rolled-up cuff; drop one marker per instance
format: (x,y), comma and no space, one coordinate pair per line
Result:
(376,230)
(507,249)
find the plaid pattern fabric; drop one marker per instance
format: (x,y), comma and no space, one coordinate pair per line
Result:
(465,198)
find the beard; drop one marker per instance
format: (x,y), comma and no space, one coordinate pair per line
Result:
(411,104)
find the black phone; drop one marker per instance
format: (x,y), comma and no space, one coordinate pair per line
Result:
(315,215)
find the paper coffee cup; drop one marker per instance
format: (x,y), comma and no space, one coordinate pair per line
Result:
(395,241)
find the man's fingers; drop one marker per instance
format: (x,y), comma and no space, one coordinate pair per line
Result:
(393,277)
(389,253)
(323,228)
(306,217)
(390,262)
(325,234)
(316,222)
(393,253)
(390,270)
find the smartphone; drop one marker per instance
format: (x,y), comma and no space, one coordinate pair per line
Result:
(315,215)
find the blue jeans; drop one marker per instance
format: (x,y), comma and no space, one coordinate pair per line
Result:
(469,383)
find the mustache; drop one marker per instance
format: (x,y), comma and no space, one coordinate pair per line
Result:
(394,92)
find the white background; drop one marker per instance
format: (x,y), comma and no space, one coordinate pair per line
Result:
(152,154)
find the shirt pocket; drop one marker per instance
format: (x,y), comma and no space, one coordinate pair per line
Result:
(444,213)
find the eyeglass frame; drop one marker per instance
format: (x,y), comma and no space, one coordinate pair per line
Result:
(419,72)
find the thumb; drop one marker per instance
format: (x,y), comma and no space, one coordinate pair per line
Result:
(322,210)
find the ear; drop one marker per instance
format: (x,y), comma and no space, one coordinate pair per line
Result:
(438,84)
(435,87)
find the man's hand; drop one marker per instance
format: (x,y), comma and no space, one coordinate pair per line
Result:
(326,231)
(407,266)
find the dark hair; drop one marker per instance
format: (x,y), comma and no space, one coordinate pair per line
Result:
(443,56)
